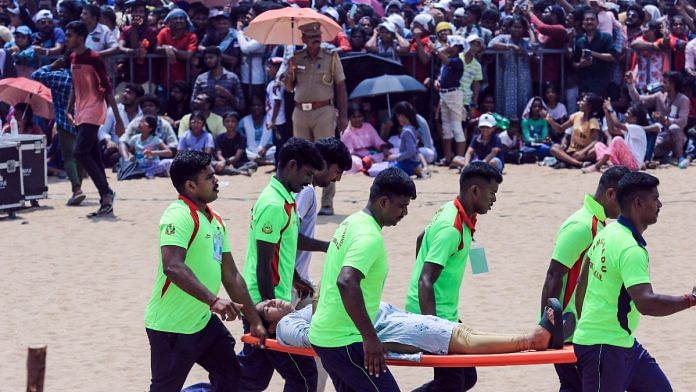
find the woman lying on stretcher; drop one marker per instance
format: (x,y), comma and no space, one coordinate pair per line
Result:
(404,332)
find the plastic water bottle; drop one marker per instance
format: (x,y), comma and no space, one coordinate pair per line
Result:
(14,127)
(684,163)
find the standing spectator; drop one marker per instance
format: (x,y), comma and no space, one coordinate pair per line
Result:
(551,34)
(473,73)
(223,36)
(91,89)
(203,103)
(108,19)
(419,65)
(513,84)
(593,57)
(358,39)
(68,11)
(471,19)
(675,43)
(634,22)
(649,61)
(275,105)
(317,78)
(49,39)
(137,40)
(23,54)
(218,83)
(251,72)
(178,43)
(200,17)
(451,96)
(59,79)
(197,138)
(671,110)
(340,43)
(385,41)
(101,39)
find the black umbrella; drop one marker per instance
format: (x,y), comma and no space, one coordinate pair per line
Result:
(386,85)
(360,66)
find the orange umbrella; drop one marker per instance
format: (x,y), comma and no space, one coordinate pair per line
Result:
(281,26)
(18,90)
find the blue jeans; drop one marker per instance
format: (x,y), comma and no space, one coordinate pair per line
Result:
(345,366)
(606,368)
(257,366)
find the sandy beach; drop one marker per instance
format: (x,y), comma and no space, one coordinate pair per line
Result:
(80,286)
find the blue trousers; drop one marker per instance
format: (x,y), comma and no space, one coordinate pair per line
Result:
(257,366)
(569,377)
(605,368)
(450,380)
(345,366)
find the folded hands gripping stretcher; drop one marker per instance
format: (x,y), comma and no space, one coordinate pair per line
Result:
(565,355)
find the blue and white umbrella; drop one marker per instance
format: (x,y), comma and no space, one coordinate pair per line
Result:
(387,84)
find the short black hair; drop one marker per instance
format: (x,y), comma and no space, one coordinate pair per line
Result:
(333,151)
(476,10)
(478,170)
(108,12)
(78,27)
(676,79)
(150,98)
(186,166)
(392,182)
(632,185)
(214,50)
(136,89)
(151,121)
(611,177)
(301,151)
(93,10)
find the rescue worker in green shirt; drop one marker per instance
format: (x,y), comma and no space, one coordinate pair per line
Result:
(194,259)
(269,270)
(574,238)
(442,254)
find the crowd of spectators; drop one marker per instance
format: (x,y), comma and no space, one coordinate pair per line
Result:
(554,82)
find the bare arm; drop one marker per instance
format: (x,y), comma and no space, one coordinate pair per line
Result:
(311,244)
(556,126)
(553,282)
(426,291)
(120,129)
(581,287)
(659,305)
(264,272)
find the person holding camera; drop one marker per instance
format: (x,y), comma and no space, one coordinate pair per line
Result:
(593,57)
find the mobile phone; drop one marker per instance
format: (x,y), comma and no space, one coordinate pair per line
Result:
(586,53)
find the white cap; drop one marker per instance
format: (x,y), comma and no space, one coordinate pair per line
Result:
(442,4)
(332,13)
(459,11)
(486,120)
(41,15)
(398,20)
(456,39)
(471,38)
(391,27)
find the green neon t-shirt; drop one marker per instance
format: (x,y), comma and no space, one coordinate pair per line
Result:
(618,261)
(446,242)
(171,309)
(573,240)
(273,220)
(357,243)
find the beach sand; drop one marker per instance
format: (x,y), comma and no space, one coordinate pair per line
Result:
(81,286)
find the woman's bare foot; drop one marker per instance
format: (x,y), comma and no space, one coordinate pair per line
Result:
(590,169)
(540,338)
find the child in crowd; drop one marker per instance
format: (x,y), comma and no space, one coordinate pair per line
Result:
(577,149)
(557,110)
(408,159)
(230,153)
(25,58)
(535,130)
(259,137)
(146,148)
(472,76)
(486,146)
(363,142)
(197,138)
(451,95)
(629,143)
(511,142)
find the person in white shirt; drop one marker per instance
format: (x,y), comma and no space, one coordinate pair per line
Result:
(129,109)
(100,38)
(275,105)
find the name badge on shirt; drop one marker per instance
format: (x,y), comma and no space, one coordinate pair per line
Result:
(477,255)
(217,247)
(673,111)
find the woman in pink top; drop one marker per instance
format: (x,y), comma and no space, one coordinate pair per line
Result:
(362,140)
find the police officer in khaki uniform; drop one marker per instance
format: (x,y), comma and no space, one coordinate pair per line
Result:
(316,76)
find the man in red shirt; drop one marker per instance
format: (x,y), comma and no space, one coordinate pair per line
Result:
(178,44)
(91,91)
(552,35)
(137,40)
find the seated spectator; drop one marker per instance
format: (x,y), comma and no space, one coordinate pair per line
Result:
(23,54)
(556,109)
(407,159)
(179,103)
(222,36)
(49,40)
(203,103)
(150,105)
(259,138)
(511,143)
(362,140)
(671,110)
(230,152)
(535,129)
(425,140)
(101,38)
(628,144)
(577,149)
(137,40)
(178,43)
(197,138)
(129,109)
(24,115)
(486,146)
(147,149)
(220,84)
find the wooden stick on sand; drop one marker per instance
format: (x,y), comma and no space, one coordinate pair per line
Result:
(36,368)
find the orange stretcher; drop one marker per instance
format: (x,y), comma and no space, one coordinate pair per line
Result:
(565,355)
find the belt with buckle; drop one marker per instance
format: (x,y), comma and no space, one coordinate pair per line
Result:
(448,90)
(309,106)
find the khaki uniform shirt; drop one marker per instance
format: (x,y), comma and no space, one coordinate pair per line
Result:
(314,81)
